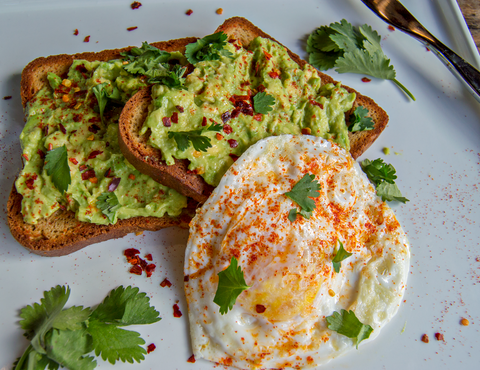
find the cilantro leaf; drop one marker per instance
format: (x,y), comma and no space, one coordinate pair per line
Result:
(383,176)
(359,120)
(346,323)
(211,47)
(351,49)
(231,283)
(153,63)
(200,142)
(113,343)
(103,96)
(339,257)
(262,102)
(126,306)
(70,348)
(108,203)
(302,191)
(71,318)
(56,165)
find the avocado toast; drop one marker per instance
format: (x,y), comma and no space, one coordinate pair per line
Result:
(62,111)
(179,171)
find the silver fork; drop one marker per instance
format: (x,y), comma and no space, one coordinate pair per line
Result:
(394,13)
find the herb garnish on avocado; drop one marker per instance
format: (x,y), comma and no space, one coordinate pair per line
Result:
(200,142)
(359,120)
(56,165)
(351,50)
(208,48)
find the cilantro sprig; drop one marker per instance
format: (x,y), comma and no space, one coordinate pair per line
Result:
(302,192)
(383,176)
(211,47)
(109,205)
(346,323)
(56,165)
(200,142)
(154,63)
(231,282)
(351,50)
(67,336)
(104,96)
(339,257)
(359,120)
(263,103)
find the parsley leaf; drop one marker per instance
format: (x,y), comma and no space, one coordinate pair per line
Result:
(262,102)
(339,257)
(359,120)
(56,165)
(383,176)
(200,142)
(67,337)
(108,203)
(211,47)
(351,49)
(231,283)
(302,191)
(346,323)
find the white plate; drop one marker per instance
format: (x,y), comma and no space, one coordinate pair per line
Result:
(437,139)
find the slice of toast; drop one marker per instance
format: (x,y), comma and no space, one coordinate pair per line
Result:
(61,234)
(148,159)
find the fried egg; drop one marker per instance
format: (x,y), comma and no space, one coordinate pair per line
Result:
(280,321)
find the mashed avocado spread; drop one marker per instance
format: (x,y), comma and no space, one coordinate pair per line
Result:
(222,92)
(104,186)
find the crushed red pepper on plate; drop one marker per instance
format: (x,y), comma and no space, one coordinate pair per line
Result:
(132,28)
(7,97)
(439,336)
(191,359)
(425,338)
(139,264)
(165,283)
(366,79)
(75,32)
(151,347)
(86,39)
(189,12)
(136,5)
(176,311)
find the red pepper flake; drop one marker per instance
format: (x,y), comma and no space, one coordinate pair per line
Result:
(439,336)
(166,283)
(73,160)
(148,257)
(25,156)
(366,79)
(180,108)
(274,74)
(131,252)
(136,5)
(89,174)
(425,338)
(167,122)
(191,359)
(391,28)
(261,88)
(233,143)
(227,129)
(131,176)
(50,146)
(41,153)
(151,348)
(314,102)
(75,32)
(131,28)
(234,157)
(258,117)
(82,167)
(77,117)
(219,136)
(86,39)
(8,97)
(204,121)
(260,308)
(137,270)
(150,269)
(63,129)
(108,173)
(94,154)
(174,117)
(267,55)
(186,278)
(29,182)
(176,311)
(93,128)
(114,184)
(189,12)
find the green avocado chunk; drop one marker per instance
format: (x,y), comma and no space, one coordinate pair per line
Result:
(223,92)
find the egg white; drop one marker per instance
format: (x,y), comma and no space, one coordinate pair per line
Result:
(288,265)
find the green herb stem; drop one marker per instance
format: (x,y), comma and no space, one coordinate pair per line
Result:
(404,89)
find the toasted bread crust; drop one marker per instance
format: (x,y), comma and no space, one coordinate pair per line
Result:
(148,159)
(62,234)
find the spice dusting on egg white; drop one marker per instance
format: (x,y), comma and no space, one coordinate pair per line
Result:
(288,265)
